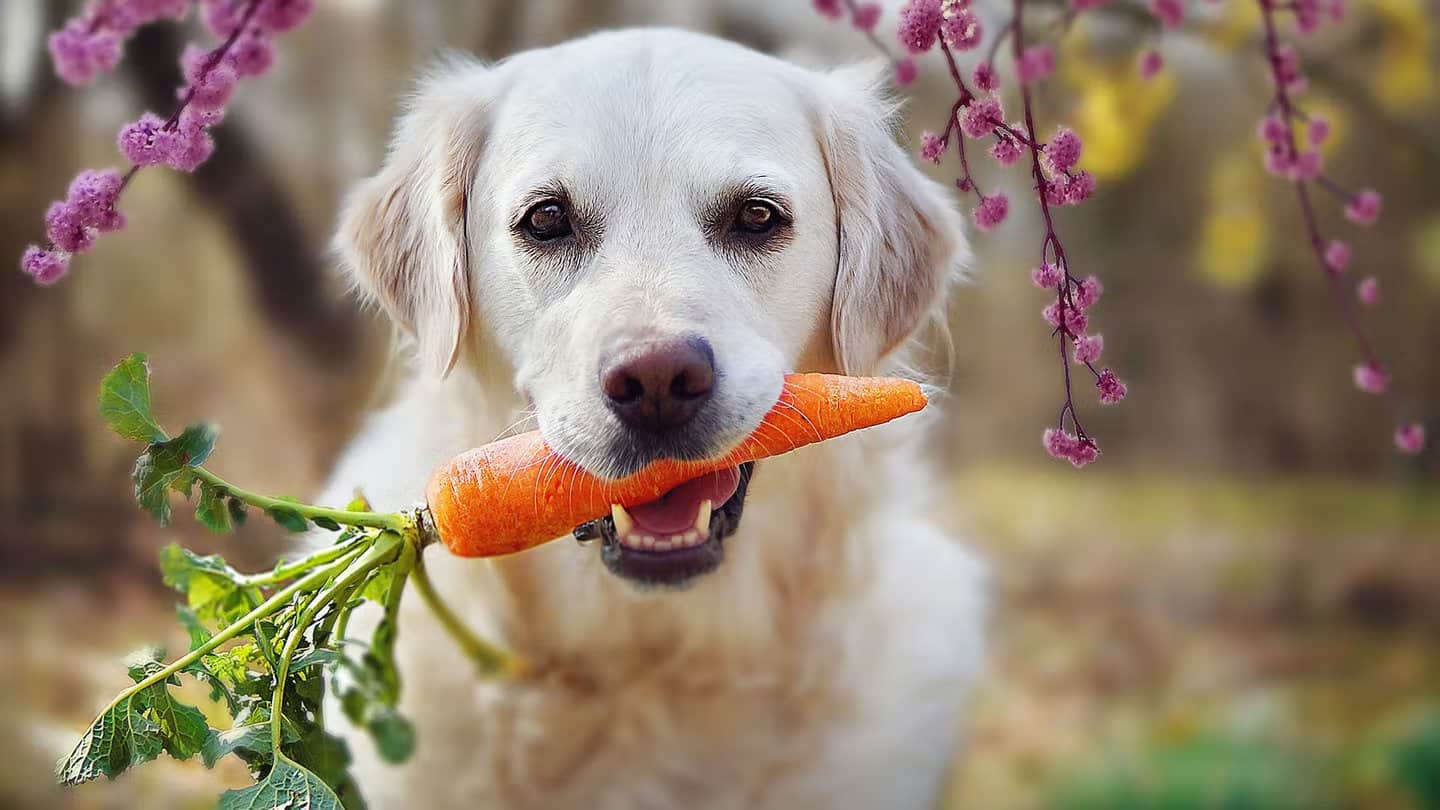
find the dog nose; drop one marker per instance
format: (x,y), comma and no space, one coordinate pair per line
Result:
(659,385)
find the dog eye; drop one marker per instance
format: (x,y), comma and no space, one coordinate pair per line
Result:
(757,216)
(546,220)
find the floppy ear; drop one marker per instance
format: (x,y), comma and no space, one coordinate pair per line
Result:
(900,237)
(402,232)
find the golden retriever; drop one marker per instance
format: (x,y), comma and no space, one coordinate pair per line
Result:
(630,238)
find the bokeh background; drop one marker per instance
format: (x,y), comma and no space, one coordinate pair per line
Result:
(1239,607)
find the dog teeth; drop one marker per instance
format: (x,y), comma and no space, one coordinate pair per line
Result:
(702,518)
(624,524)
(625,531)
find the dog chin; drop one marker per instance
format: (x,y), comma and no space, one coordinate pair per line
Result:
(672,541)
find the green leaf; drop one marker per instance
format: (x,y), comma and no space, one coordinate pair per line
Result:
(182,728)
(327,756)
(326,523)
(125,401)
(287,787)
(287,518)
(166,465)
(119,738)
(394,736)
(311,657)
(213,510)
(210,585)
(250,742)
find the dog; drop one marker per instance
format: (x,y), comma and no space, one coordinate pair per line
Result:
(629,239)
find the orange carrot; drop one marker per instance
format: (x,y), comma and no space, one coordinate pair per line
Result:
(517,493)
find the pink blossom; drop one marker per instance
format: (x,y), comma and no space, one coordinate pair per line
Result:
(1364,208)
(1170,12)
(1287,69)
(1080,188)
(979,117)
(1371,378)
(961,29)
(1337,256)
(1278,162)
(905,72)
(991,211)
(1047,276)
(1307,165)
(251,55)
(1151,63)
(1273,130)
(1066,447)
(1036,63)
(93,195)
(1055,190)
(222,17)
(1075,320)
(45,266)
(1318,130)
(932,146)
(1006,151)
(279,16)
(211,81)
(1087,293)
(67,230)
(985,77)
(1368,291)
(146,142)
(830,8)
(81,54)
(1088,348)
(1410,438)
(1110,388)
(867,16)
(1063,151)
(920,24)
(191,146)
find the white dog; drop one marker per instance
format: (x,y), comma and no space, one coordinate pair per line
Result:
(632,237)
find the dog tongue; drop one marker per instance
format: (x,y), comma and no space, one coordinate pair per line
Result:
(675,511)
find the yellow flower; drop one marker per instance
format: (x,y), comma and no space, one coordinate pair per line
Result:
(1234,247)
(1403,76)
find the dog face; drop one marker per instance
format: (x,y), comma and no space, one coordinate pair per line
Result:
(650,229)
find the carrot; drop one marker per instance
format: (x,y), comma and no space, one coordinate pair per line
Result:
(517,493)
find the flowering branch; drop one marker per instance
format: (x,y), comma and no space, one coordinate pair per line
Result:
(1302,168)
(1056,180)
(91,44)
(977,114)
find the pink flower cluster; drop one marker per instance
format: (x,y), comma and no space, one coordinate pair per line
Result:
(1292,142)
(92,43)
(977,115)
(1057,179)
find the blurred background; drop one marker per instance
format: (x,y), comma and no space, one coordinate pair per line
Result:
(1239,607)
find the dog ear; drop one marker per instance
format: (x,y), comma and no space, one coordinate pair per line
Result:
(900,236)
(402,233)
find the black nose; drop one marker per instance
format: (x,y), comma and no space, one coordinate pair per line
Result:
(658,385)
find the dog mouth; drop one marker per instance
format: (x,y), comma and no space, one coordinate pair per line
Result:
(674,539)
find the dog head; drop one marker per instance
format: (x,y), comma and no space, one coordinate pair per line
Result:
(649,229)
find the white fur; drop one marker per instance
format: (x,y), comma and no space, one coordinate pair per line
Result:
(825,663)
